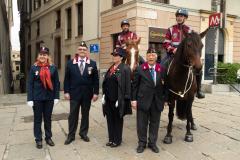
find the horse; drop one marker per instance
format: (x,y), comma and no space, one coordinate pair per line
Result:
(181,82)
(133,59)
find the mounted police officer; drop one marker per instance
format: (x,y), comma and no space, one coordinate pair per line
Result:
(125,35)
(175,34)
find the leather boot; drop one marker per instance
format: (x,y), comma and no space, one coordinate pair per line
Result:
(199,94)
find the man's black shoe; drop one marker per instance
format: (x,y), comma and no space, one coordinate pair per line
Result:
(50,142)
(154,148)
(140,149)
(85,138)
(39,144)
(109,144)
(69,140)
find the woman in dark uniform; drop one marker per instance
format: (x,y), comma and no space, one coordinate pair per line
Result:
(116,97)
(43,94)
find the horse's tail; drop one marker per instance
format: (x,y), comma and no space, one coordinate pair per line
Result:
(181,110)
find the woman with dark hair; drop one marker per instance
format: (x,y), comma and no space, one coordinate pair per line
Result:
(43,94)
(116,97)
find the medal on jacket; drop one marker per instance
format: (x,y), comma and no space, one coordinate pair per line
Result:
(36,73)
(90,70)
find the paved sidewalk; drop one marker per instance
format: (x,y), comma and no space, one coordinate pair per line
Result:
(217,137)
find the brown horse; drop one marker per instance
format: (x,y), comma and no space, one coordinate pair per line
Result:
(132,54)
(181,82)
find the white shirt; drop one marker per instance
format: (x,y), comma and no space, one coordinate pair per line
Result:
(155,75)
(84,62)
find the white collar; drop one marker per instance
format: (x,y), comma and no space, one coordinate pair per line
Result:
(84,59)
(152,66)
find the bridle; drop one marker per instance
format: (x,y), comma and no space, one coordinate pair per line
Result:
(189,78)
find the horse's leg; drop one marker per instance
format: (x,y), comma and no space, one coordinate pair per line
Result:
(168,137)
(189,136)
(193,125)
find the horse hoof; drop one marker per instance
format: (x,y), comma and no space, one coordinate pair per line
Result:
(189,138)
(167,140)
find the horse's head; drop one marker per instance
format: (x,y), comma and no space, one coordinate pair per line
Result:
(191,49)
(132,53)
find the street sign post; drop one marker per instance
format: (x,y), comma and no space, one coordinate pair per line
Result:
(215,23)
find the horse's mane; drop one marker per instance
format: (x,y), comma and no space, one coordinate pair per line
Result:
(191,40)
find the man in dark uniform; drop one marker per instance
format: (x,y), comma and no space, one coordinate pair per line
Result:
(125,35)
(174,36)
(81,85)
(148,94)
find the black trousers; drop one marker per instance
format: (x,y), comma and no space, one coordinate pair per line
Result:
(42,109)
(148,120)
(114,123)
(74,114)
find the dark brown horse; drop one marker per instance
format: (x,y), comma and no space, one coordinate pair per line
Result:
(181,82)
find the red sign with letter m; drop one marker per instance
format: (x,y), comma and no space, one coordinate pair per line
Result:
(215,20)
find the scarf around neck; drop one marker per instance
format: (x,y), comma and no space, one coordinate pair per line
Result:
(45,75)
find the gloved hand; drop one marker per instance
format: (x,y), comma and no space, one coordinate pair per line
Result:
(30,103)
(56,101)
(103,99)
(116,104)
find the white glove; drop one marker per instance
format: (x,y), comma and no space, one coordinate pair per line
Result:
(30,103)
(56,101)
(103,99)
(116,104)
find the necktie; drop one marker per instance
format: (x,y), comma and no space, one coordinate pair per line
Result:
(152,74)
(81,67)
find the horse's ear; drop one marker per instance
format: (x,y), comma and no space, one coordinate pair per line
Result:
(203,34)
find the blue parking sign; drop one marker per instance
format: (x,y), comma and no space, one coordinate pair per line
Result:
(94,48)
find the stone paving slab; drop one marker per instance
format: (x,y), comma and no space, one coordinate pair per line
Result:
(217,137)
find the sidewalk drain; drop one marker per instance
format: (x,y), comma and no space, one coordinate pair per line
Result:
(55,117)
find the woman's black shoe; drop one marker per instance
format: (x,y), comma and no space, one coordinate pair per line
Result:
(113,145)
(109,144)
(39,144)
(50,142)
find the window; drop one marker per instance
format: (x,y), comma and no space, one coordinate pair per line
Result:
(116,2)
(37,48)
(29,57)
(69,23)
(58,21)
(37,4)
(29,33)
(57,52)
(80,18)
(17,68)
(161,1)
(38,28)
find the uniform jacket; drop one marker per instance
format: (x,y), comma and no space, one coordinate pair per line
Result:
(123,74)
(123,37)
(78,85)
(35,88)
(144,91)
(174,36)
